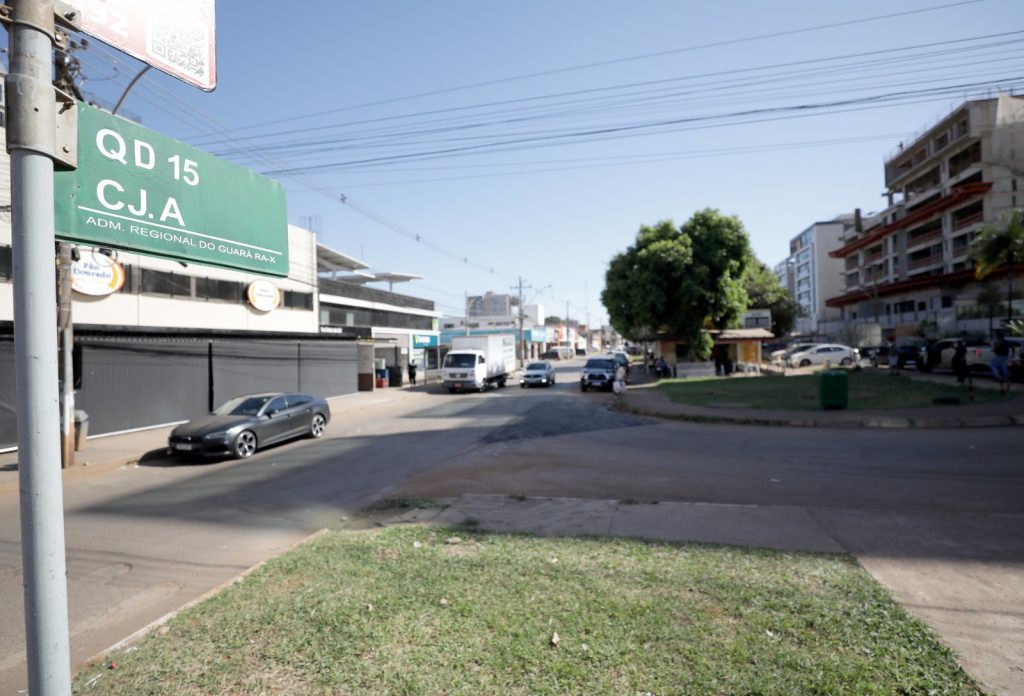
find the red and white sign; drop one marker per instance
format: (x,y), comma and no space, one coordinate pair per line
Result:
(176,37)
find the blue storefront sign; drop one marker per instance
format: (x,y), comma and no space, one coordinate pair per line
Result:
(425,341)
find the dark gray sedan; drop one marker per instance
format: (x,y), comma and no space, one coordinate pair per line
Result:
(245,423)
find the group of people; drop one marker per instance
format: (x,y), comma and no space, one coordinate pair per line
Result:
(659,367)
(1000,364)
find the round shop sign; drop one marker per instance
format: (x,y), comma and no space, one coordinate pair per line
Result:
(90,276)
(263,295)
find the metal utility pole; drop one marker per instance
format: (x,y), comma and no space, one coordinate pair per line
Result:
(522,342)
(31,140)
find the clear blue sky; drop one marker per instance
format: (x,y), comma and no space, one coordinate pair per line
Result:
(462,121)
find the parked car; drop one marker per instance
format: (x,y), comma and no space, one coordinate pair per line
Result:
(782,355)
(940,354)
(540,373)
(244,424)
(598,373)
(550,355)
(621,359)
(822,353)
(909,349)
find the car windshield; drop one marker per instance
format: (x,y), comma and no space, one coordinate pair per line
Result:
(460,360)
(537,366)
(243,405)
(599,364)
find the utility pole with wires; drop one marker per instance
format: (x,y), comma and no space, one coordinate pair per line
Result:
(522,342)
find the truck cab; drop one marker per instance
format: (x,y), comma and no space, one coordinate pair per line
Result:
(465,370)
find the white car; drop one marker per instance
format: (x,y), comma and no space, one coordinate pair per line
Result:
(782,356)
(825,353)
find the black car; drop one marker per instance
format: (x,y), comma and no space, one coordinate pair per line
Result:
(245,423)
(909,349)
(598,373)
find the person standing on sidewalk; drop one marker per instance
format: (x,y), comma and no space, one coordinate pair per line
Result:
(960,362)
(412,372)
(1000,363)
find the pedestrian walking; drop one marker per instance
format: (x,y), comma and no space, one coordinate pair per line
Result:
(1001,363)
(412,372)
(960,362)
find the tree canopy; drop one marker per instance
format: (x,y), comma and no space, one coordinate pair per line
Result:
(674,280)
(765,292)
(999,245)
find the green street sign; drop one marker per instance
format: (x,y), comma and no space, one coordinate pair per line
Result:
(140,191)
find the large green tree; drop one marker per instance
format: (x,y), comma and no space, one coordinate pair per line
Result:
(765,292)
(999,245)
(675,279)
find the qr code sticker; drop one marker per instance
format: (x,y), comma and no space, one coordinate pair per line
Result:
(180,44)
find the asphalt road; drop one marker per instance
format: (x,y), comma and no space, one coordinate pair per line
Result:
(145,540)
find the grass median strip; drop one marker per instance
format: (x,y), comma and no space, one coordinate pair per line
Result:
(866,390)
(421,610)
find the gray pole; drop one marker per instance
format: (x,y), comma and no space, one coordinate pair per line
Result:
(522,343)
(30,140)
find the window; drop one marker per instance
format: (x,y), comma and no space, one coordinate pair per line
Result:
(947,301)
(298,300)
(921,306)
(164,283)
(296,400)
(276,405)
(214,289)
(6,262)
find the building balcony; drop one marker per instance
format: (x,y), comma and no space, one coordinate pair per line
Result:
(926,237)
(925,262)
(968,220)
(873,257)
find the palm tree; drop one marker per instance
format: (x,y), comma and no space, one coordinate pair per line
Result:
(998,246)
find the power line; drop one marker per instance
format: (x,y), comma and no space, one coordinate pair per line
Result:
(614,61)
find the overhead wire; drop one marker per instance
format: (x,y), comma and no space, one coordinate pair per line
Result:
(604,63)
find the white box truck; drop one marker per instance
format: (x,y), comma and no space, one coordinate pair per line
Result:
(477,362)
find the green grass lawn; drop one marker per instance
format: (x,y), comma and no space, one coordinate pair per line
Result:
(866,389)
(402,611)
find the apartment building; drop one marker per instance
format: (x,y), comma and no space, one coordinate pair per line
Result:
(812,275)
(909,264)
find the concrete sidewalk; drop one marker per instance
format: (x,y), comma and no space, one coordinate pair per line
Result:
(643,398)
(932,566)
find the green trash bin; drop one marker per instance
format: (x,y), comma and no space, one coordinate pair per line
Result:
(833,389)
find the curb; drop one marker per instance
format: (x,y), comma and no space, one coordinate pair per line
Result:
(892,423)
(153,625)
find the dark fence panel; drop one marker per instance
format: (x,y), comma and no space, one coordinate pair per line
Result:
(253,367)
(8,396)
(135,384)
(327,369)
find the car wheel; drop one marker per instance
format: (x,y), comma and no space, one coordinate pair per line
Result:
(317,426)
(583,387)
(245,445)
(846,361)
(523,386)
(805,363)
